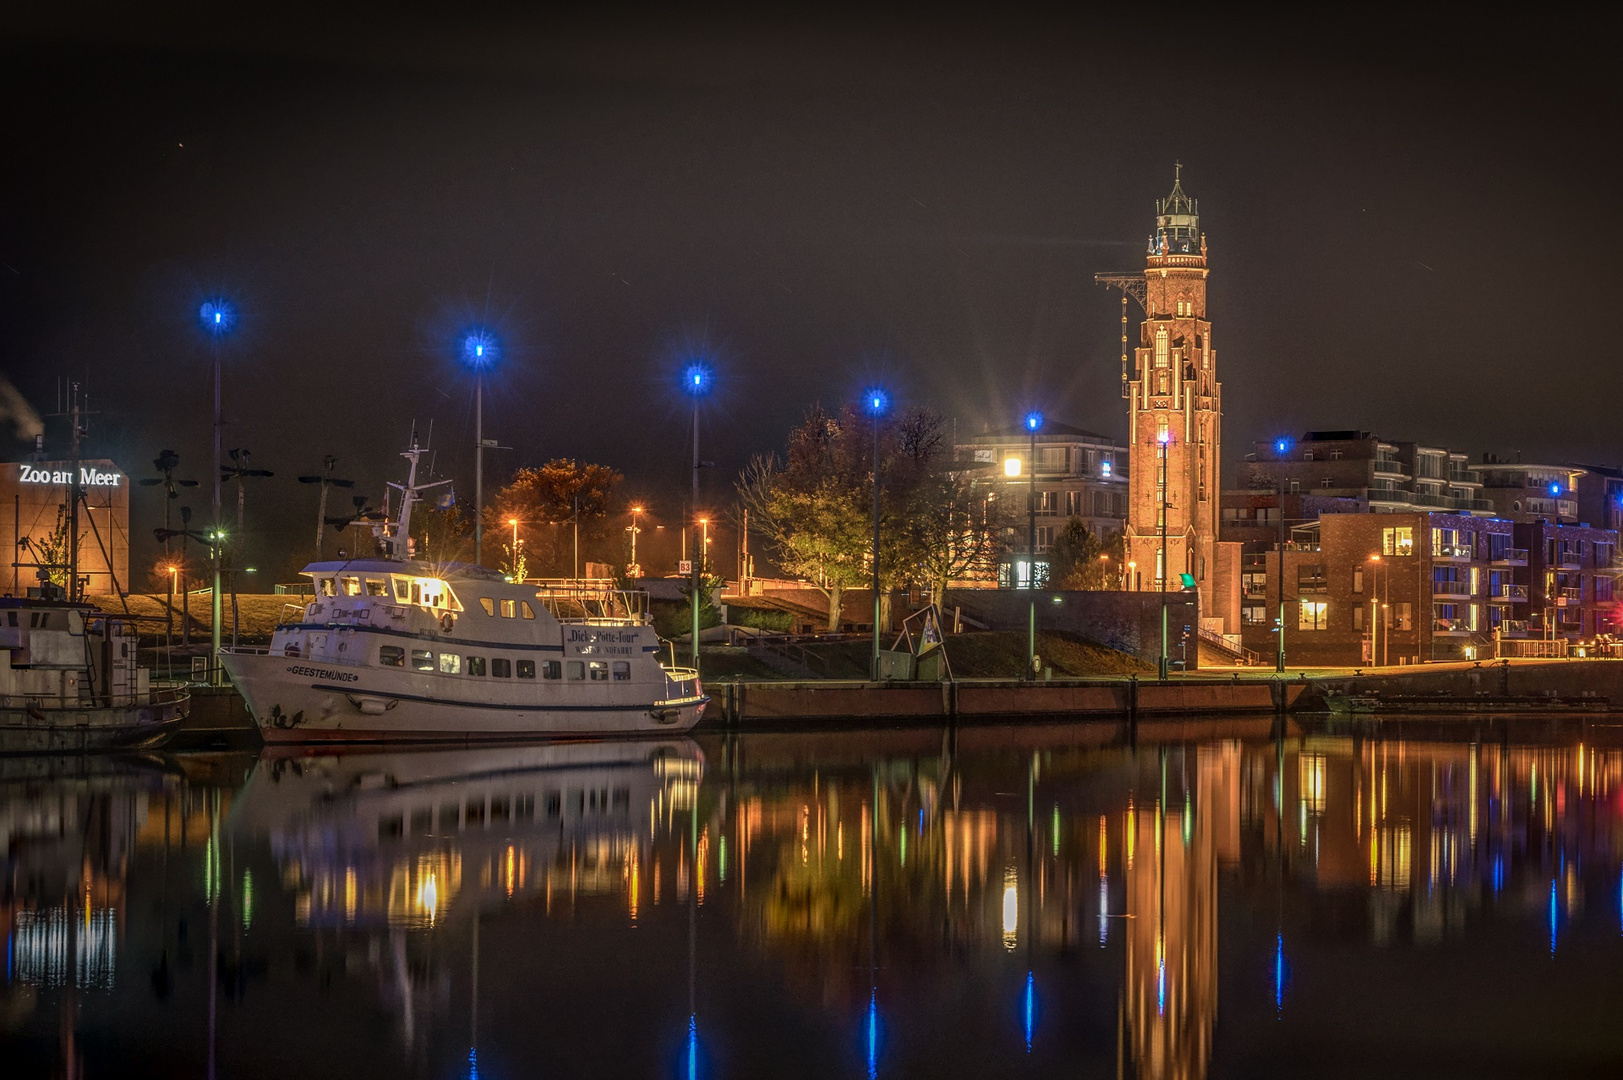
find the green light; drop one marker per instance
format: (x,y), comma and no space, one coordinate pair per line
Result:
(1056,828)
(247,899)
(721,858)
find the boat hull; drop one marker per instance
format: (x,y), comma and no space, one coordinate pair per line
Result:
(87,730)
(294,702)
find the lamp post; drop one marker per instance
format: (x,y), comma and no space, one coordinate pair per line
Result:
(1280,447)
(634,571)
(1034,423)
(478,352)
(218,320)
(876,402)
(696,382)
(1162,439)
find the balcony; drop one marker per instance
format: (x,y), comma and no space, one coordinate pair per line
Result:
(1513,627)
(1510,557)
(1389,467)
(1452,553)
(1572,596)
(1510,592)
(1257,591)
(1460,589)
(1569,560)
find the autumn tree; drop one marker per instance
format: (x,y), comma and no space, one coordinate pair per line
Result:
(548,501)
(1083,560)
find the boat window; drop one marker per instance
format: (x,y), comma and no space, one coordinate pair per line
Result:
(402,589)
(488,604)
(422,660)
(416,593)
(476,665)
(526,669)
(501,667)
(391,656)
(377,587)
(509,609)
(13,619)
(577,670)
(351,586)
(622,671)
(327,587)
(526,609)
(451,664)
(552,669)
(600,671)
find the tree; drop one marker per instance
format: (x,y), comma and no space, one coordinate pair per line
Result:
(563,493)
(1080,559)
(937,530)
(51,550)
(810,505)
(442,536)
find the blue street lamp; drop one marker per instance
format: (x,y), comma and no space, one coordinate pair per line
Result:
(876,403)
(218,318)
(1033,422)
(479,351)
(1282,447)
(697,381)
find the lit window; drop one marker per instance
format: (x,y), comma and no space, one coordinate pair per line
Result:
(600,671)
(476,666)
(488,604)
(351,586)
(1398,541)
(525,609)
(509,609)
(1161,347)
(422,660)
(390,656)
(327,587)
(450,664)
(377,587)
(1314,615)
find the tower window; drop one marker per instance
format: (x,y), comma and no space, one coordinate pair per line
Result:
(1161,347)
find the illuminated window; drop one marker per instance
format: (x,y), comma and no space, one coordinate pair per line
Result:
(450,664)
(1161,347)
(476,666)
(525,609)
(390,656)
(526,669)
(1161,430)
(1398,541)
(600,671)
(377,587)
(488,604)
(422,660)
(1314,615)
(350,586)
(327,587)
(509,609)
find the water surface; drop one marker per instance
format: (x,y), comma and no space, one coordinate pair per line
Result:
(1205,901)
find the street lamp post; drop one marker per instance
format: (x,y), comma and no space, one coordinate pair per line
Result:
(1162,439)
(1281,446)
(633,570)
(218,320)
(696,381)
(1034,423)
(876,402)
(478,352)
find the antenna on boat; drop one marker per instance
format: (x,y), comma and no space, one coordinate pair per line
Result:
(397,543)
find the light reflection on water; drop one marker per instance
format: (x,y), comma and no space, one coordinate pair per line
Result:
(996,900)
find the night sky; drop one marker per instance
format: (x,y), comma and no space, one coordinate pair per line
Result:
(1410,223)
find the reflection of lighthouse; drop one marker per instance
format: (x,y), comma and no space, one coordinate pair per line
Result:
(1175,841)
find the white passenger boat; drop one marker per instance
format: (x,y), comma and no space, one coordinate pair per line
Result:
(392,648)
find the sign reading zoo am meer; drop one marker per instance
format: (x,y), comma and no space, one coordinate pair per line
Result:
(88,476)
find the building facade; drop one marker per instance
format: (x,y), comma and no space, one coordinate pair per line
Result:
(33,518)
(1389,476)
(1524,492)
(1175,416)
(1079,474)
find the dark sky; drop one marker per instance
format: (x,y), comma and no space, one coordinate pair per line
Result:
(1410,222)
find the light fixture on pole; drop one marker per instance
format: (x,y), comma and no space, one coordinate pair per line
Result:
(634,571)
(1281,446)
(479,350)
(1034,423)
(219,319)
(1163,438)
(876,403)
(696,383)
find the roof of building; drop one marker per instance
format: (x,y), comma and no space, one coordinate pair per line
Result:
(1050,430)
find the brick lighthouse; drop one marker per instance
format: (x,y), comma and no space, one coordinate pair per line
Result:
(1175,420)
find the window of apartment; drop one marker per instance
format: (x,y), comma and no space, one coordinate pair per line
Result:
(1307,455)
(1397,541)
(1446,617)
(1402,617)
(1296,486)
(1327,481)
(1045,537)
(1603,590)
(1335,455)
(985,455)
(1358,616)
(1047,502)
(500,667)
(1314,615)
(1358,579)
(1312,579)
(1254,614)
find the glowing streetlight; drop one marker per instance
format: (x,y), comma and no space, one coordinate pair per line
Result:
(633,570)
(1011,467)
(697,380)
(219,318)
(1282,446)
(1033,422)
(479,351)
(876,403)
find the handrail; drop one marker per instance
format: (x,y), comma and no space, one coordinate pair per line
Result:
(161,696)
(1212,637)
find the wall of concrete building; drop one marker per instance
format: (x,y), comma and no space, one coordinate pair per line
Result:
(1128,621)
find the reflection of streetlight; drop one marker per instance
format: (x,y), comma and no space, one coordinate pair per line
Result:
(219,319)
(876,403)
(696,383)
(478,352)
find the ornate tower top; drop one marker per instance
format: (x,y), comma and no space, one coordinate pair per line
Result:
(1177,222)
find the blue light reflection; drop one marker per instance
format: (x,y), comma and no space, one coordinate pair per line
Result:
(1031,1007)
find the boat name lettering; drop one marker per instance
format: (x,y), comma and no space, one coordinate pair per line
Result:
(88,477)
(323,673)
(603,637)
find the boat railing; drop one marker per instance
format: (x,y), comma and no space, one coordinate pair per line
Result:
(586,600)
(163,695)
(681,674)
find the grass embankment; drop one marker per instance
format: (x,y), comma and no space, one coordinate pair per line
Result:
(988,655)
(257,613)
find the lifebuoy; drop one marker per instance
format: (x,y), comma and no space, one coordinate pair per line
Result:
(447,622)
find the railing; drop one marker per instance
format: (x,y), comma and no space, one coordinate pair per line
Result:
(1460,589)
(1453,551)
(1510,592)
(1538,647)
(1510,557)
(157,696)
(1389,467)
(1570,560)
(1256,592)
(788,649)
(1247,656)
(1571,594)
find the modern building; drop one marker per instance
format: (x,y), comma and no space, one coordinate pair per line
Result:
(1175,419)
(1526,492)
(1389,476)
(34,520)
(1566,589)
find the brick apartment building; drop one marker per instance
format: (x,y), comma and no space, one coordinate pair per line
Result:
(1387,475)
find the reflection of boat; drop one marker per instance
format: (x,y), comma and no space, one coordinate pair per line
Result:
(1376,702)
(69,682)
(391,648)
(412,837)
